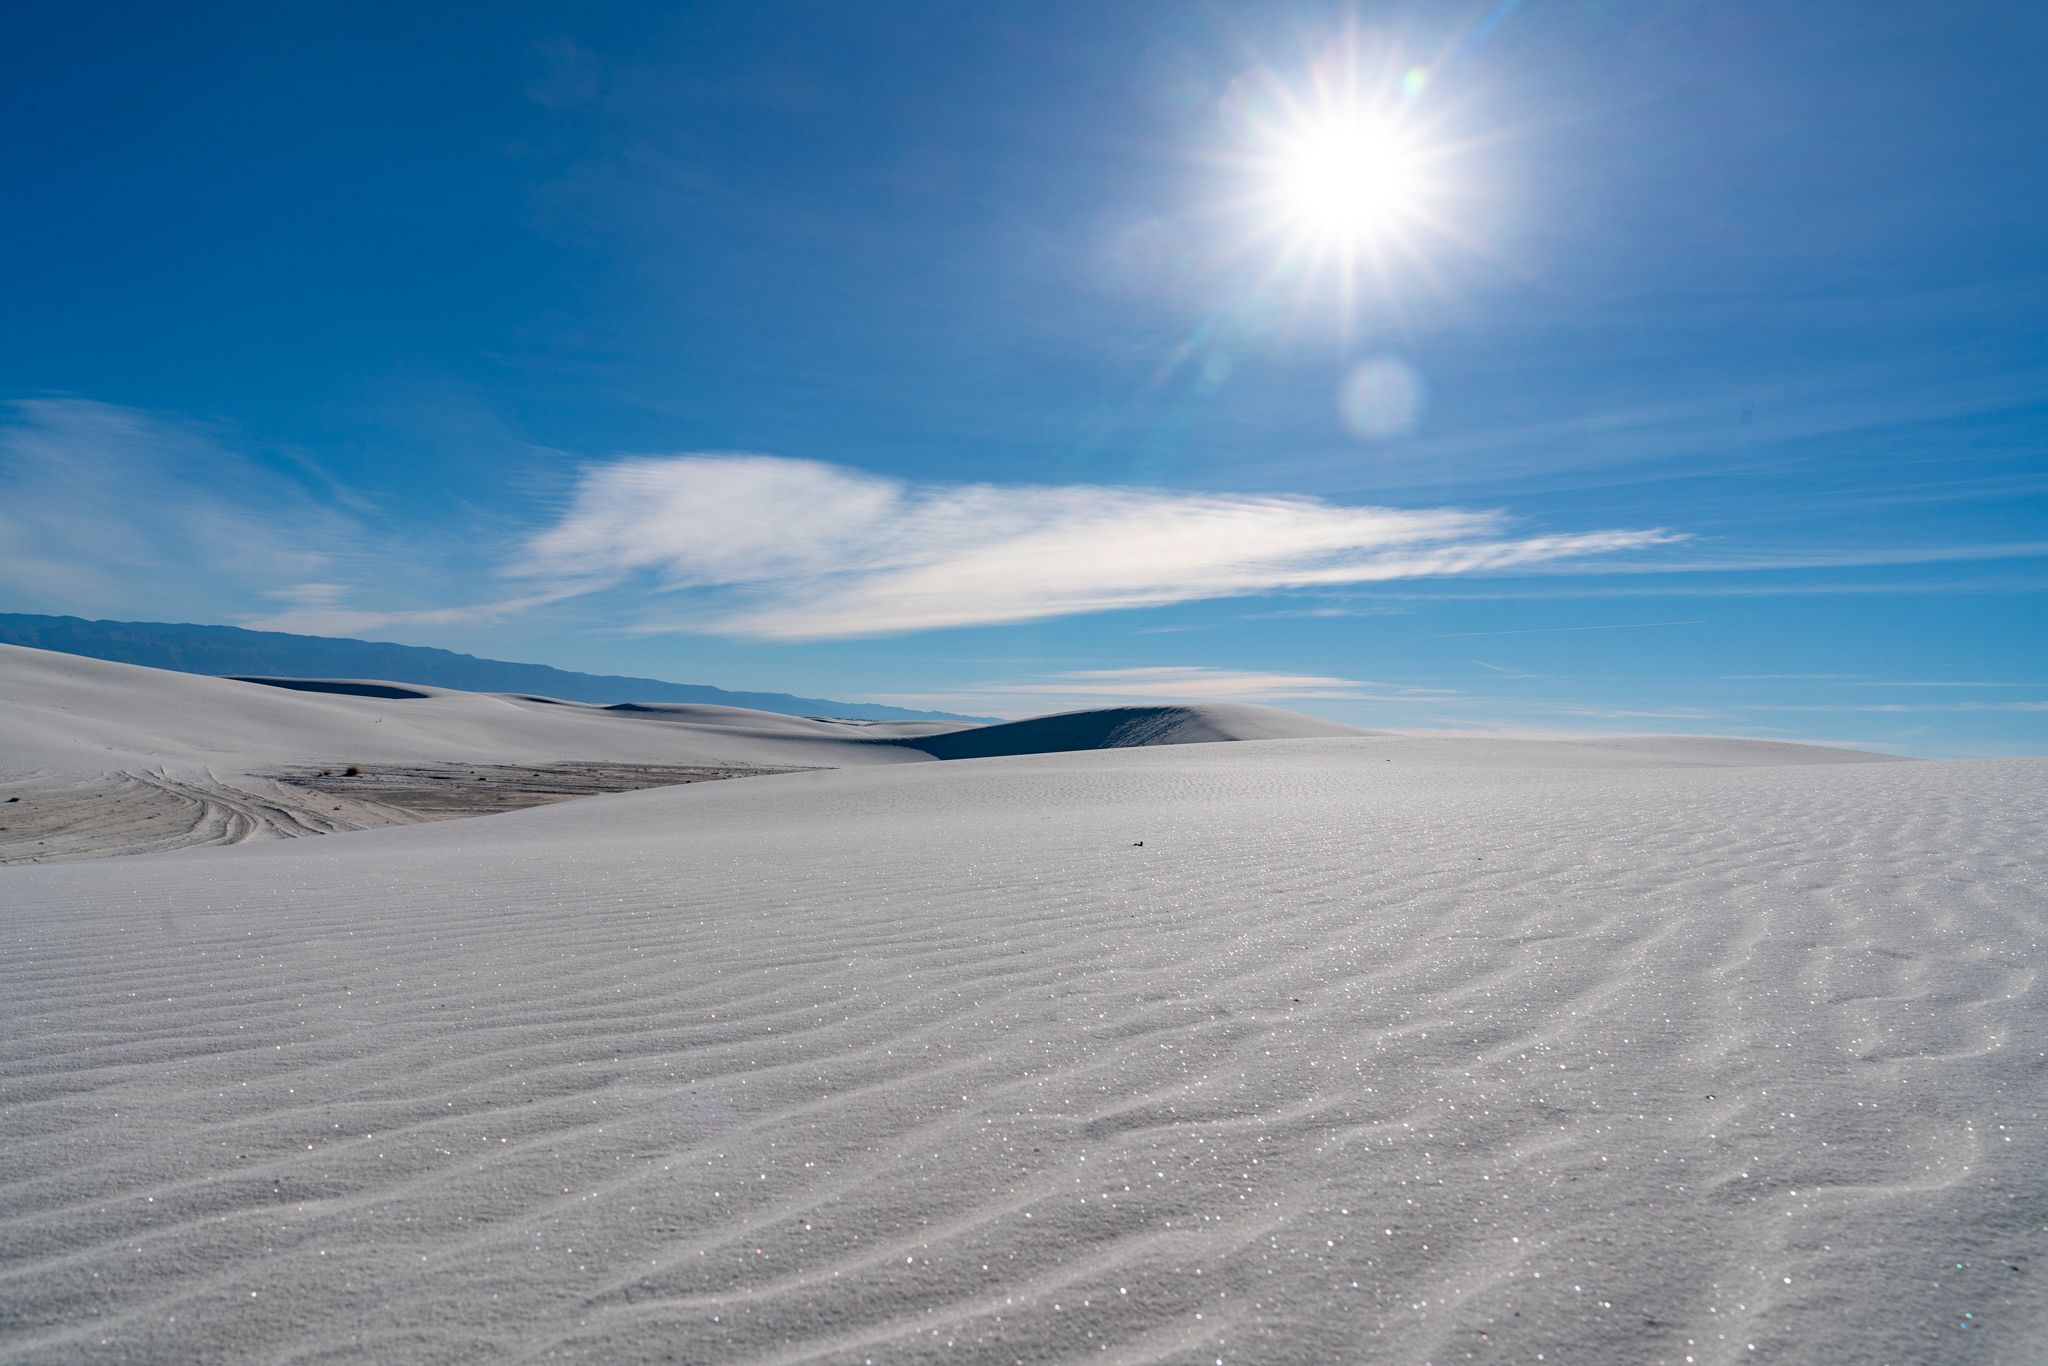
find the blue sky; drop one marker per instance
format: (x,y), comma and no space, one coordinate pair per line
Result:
(1691,378)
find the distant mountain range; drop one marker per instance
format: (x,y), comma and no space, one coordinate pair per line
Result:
(230,651)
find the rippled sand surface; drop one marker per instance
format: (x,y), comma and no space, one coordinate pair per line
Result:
(1316,1050)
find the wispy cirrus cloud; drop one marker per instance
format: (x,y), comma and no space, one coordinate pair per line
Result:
(1552,630)
(105,508)
(108,508)
(1378,601)
(802,550)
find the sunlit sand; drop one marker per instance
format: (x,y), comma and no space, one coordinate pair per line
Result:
(1326,1048)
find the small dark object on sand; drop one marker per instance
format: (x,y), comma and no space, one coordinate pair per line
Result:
(352,771)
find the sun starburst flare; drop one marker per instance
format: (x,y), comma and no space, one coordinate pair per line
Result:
(1346,176)
(1349,180)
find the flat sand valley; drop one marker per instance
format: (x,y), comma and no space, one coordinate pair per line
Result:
(140,812)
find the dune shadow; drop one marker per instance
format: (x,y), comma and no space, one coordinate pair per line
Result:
(346,687)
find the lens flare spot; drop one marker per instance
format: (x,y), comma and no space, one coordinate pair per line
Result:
(1381,398)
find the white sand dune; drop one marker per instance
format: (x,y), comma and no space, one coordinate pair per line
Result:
(69,715)
(104,758)
(1345,1049)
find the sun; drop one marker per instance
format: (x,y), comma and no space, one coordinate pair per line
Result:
(1350,190)
(1348,181)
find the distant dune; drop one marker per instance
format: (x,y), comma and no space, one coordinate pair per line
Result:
(1127,727)
(103,758)
(70,714)
(231,651)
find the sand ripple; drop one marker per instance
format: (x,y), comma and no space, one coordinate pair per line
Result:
(1349,1060)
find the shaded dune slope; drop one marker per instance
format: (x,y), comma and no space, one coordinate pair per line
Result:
(343,687)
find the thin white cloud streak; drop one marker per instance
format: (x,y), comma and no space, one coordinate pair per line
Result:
(1552,630)
(1936,683)
(309,594)
(1641,714)
(1165,684)
(1906,706)
(1860,681)
(817,551)
(1892,588)
(314,619)
(1505,672)
(1878,557)
(1205,683)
